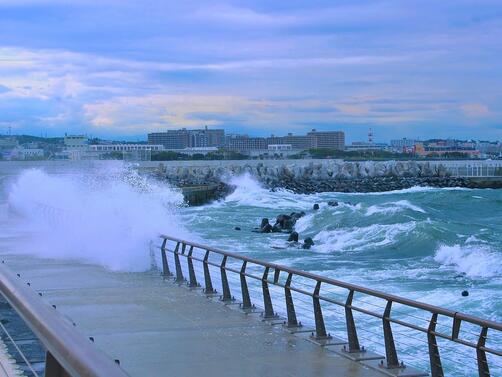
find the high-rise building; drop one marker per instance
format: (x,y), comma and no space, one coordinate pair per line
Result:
(327,139)
(244,143)
(299,142)
(171,139)
(183,138)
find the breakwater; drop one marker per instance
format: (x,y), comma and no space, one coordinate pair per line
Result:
(309,176)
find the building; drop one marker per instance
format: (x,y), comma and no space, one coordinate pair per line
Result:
(327,139)
(403,145)
(298,142)
(184,138)
(75,141)
(107,148)
(244,143)
(21,153)
(171,139)
(441,148)
(363,146)
(279,147)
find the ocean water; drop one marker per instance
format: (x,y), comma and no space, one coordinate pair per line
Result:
(421,243)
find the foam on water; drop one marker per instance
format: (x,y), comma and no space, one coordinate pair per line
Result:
(108,218)
(472,260)
(361,238)
(393,207)
(248,192)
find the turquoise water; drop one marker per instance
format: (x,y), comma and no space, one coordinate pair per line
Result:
(421,243)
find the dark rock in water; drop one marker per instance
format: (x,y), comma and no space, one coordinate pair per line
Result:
(266,229)
(237,228)
(264,222)
(284,222)
(465,293)
(288,224)
(297,215)
(276,228)
(308,243)
(293,237)
(282,217)
(316,207)
(333,203)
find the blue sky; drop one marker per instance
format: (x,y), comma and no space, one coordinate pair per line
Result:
(407,68)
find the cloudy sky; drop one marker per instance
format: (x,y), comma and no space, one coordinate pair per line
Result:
(406,68)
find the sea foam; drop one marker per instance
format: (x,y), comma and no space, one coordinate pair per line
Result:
(472,260)
(361,238)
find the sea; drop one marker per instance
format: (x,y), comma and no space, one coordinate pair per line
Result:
(425,244)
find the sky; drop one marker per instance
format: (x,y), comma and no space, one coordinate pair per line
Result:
(122,68)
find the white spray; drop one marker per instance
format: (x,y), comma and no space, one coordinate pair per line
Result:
(108,218)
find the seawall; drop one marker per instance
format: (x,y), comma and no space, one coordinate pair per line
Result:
(306,176)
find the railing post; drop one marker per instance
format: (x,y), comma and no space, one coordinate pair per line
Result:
(351,326)
(456,327)
(320,329)
(390,347)
(267,300)
(434,357)
(483,369)
(179,272)
(246,300)
(290,307)
(224,281)
(277,273)
(208,289)
(165,266)
(191,272)
(53,368)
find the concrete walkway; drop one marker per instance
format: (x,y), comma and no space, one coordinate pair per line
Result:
(157,328)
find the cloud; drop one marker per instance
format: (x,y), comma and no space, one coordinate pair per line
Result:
(475,110)
(123,67)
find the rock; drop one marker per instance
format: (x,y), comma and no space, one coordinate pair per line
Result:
(297,215)
(276,228)
(281,219)
(333,203)
(308,243)
(293,237)
(267,229)
(316,207)
(284,222)
(264,222)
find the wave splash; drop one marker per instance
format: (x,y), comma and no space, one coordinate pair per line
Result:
(471,260)
(362,238)
(108,219)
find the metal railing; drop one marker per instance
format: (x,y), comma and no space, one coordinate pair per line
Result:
(472,168)
(296,283)
(68,353)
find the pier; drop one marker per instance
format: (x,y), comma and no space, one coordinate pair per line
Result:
(218,313)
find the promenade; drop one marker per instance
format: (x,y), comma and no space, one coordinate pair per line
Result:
(156,328)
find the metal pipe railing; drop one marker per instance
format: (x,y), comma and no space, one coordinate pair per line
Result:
(68,352)
(202,254)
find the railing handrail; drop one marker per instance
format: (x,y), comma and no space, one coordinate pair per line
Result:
(74,353)
(351,287)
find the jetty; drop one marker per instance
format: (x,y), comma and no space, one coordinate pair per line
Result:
(213,312)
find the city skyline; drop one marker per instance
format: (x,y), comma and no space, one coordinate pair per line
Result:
(123,69)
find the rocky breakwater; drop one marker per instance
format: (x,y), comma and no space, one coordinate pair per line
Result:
(307,176)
